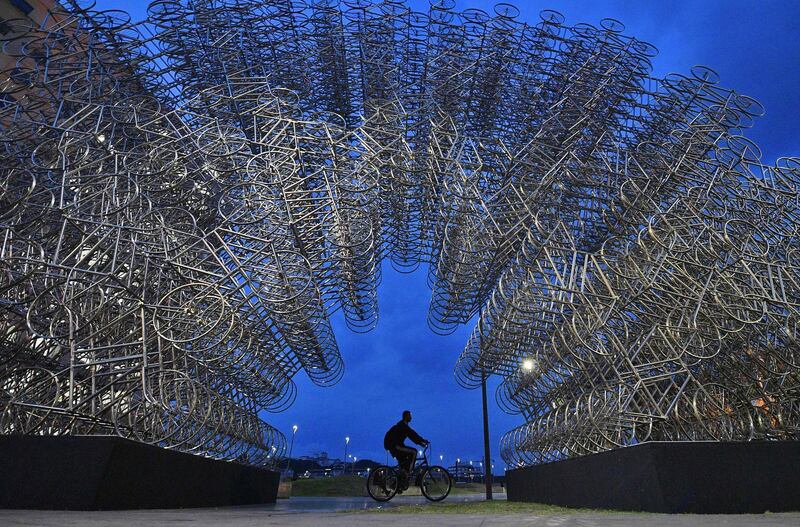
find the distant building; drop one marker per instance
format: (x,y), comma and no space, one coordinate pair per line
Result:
(321,459)
(319,465)
(14,12)
(466,472)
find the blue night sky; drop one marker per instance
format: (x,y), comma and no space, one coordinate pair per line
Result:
(754,46)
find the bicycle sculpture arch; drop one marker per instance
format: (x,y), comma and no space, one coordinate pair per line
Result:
(185,200)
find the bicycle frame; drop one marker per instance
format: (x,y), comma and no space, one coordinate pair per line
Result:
(417,465)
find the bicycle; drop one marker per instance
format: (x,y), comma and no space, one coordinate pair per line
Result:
(434,481)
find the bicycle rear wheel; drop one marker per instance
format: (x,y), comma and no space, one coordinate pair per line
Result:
(382,483)
(436,483)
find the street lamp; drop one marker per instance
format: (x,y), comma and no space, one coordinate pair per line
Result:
(528,365)
(346,442)
(486,451)
(352,471)
(291,447)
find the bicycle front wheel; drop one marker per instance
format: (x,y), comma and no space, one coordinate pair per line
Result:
(382,483)
(436,483)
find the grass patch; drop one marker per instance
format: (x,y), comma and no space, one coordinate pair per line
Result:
(355,486)
(335,486)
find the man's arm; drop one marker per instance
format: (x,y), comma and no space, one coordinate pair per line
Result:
(415,437)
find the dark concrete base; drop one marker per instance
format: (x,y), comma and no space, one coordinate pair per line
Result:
(697,477)
(99,473)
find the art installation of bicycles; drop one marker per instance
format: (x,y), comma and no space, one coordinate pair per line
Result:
(185,201)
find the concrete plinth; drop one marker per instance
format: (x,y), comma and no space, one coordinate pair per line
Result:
(697,477)
(103,473)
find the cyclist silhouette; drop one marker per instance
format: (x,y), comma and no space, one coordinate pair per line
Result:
(394,442)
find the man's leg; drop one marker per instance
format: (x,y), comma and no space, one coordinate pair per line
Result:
(406,457)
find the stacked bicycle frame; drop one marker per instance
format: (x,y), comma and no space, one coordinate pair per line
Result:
(186,200)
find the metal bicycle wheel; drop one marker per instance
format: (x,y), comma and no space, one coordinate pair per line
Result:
(382,483)
(436,483)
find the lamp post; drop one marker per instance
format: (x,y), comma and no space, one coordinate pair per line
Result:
(344,466)
(458,460)
(486,452)
(353,468)
(291,447)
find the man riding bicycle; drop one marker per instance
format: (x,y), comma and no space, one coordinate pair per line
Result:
(394,442)
(384,482)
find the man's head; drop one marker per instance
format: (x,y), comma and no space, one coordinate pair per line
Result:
(406,416)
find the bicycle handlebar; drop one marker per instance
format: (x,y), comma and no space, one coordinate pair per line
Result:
(425,450)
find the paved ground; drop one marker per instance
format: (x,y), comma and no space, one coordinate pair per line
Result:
(330,504)
(293,513)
